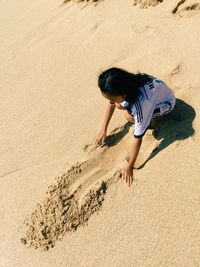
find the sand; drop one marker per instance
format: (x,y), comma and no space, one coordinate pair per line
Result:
(63,201)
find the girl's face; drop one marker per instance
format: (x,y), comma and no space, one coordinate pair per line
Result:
(115,99)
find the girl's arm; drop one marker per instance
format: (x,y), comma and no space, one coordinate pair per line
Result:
(134,151)
(127,173)
(109,112)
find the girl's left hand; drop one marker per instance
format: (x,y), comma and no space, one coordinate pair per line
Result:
(127,174)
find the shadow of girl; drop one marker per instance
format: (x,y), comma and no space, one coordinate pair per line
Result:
(116,135)
(177,125)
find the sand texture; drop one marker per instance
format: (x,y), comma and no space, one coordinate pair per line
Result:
(69,203)
(63,200)
(146,3)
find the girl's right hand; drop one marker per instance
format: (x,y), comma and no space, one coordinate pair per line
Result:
(100,137)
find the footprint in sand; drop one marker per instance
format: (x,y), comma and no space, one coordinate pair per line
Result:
(183,6)
(171,78)
(176,71)
(93,30)
(147,3)
(96,2)
(138,29)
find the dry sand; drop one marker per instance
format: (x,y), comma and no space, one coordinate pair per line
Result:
(63,202)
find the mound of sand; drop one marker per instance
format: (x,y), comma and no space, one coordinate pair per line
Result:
(62,210)
(74,196)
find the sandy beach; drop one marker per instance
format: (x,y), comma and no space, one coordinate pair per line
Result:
(63,201)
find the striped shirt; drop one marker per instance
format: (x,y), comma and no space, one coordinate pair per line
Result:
(155,96)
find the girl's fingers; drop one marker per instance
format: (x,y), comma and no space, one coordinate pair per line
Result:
(98,142)
(130,181)
(127,179)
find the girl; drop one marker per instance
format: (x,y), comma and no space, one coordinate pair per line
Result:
(143,96)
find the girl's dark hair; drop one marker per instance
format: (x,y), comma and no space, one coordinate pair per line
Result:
(118,82)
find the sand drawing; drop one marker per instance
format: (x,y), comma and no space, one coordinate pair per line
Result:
(69,203)
(75,195)
(80,191)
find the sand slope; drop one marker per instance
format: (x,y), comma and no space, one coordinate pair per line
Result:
(52,178)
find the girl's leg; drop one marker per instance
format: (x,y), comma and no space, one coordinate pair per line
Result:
(154,121)
(161,109)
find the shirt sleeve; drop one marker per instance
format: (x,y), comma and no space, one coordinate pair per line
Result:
(123,104)
(142,116)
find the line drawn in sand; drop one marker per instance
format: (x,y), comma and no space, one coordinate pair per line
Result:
(75,195)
